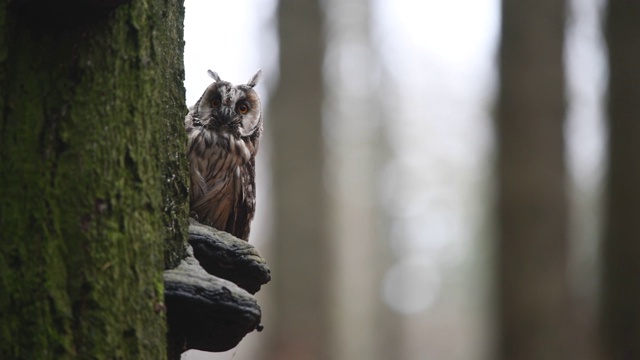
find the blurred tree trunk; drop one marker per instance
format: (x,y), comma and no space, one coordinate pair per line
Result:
(365,327)
(533,293)
(92,185)
(301,267)
(620,312)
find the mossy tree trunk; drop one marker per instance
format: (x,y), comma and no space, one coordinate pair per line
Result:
(620,305)
(92,183)
(533,291)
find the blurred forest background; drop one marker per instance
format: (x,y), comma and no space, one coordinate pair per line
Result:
(433,180)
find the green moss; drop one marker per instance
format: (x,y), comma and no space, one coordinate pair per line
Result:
(93,199)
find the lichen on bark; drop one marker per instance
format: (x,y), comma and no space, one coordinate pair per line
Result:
(93,192)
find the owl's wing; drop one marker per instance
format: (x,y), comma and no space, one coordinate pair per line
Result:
(246,203)
(197,184)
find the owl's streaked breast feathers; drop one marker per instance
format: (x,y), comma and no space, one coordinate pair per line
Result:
(223,129)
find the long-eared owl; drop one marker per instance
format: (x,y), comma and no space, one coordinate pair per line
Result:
(224,128)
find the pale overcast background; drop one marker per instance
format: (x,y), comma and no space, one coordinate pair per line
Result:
(444,51)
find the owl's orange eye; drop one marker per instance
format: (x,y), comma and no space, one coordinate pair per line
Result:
(215,102)
(242,108)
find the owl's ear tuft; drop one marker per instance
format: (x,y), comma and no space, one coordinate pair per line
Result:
(254,79)
(214,75)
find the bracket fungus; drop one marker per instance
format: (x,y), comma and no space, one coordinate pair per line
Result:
(208,296)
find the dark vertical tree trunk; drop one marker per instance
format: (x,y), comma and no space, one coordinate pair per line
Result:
(300,278)
(533,295)
(92,182)
(620,312)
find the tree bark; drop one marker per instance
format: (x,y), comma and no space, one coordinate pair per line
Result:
(620,306)
(533,293)
(93,192)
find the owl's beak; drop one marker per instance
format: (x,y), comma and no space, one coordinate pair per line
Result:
(226,114)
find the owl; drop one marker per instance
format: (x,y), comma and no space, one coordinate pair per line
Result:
(223,129)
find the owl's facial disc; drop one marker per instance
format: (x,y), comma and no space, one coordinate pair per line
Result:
(221,105)
(230,109)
